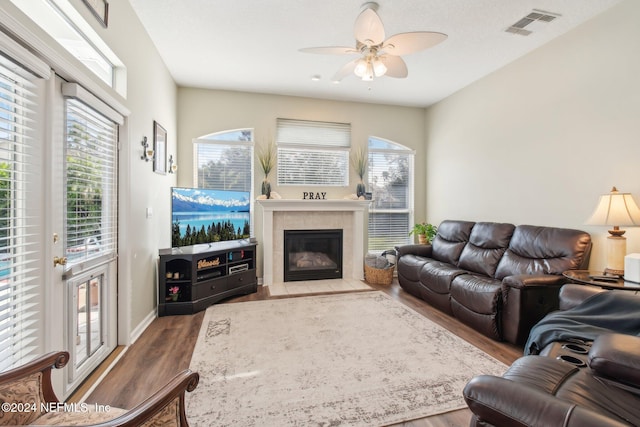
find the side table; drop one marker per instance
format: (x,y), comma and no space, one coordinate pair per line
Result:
(589,277)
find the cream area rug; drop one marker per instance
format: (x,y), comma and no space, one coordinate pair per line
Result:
(355,359)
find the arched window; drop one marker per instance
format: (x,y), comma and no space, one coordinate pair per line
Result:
(224,160)
(390,179)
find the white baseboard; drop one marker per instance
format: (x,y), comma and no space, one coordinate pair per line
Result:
(135,334)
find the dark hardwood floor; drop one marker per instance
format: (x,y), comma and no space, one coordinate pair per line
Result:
(165,348)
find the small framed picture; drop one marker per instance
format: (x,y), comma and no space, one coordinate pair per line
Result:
(100,9)
(159,148)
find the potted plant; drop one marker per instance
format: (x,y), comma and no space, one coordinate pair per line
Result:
(267,159)
(425,231)
(174,292)
(359,163)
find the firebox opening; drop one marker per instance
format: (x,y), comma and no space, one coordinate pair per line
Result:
(312,255)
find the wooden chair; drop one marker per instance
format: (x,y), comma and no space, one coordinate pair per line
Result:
(28,398)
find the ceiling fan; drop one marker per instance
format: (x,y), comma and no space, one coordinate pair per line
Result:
(378,56)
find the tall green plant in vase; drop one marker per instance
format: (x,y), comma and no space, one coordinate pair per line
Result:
(359,162)
(267,159)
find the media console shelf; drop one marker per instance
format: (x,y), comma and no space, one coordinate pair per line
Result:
(191,278)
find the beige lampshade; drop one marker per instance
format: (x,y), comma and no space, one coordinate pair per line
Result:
(617,209)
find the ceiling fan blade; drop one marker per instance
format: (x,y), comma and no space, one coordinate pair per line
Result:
(406,43)
(396,67)
(369,29)
(330,50)
(345,71)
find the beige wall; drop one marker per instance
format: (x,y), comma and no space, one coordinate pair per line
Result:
(538,141)
(151,95)
(201,112)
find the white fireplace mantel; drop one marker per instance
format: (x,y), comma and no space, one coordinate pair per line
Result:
(301,210)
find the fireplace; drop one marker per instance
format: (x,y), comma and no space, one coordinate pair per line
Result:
(312,254)
(282,214)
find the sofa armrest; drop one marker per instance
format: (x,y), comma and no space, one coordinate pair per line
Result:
(529,280)
(527,298)
(420,250)
(31,383)
(573,294)
(616,356)
(165,407)
(501,402)
(43,365)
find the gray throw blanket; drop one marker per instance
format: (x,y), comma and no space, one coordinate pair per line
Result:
(606,312)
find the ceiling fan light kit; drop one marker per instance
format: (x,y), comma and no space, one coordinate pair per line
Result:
(378,56)
(367,68)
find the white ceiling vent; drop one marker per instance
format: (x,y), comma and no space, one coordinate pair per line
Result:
(532,22)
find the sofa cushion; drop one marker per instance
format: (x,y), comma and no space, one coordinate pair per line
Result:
(487,243)
(451,239)
(543,250)
(80,415)
(535,389)
(541,372)
(437,276)
(411,266)
(476,301)
(479,294)
(26,390)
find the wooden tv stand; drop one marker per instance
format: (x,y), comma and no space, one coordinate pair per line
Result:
(204,275)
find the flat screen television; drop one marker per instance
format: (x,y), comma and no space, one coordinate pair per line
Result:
(200,215)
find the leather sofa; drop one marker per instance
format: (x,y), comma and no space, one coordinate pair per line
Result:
(576,382)
(498,278)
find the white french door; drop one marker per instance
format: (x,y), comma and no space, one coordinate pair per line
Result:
(58,211)
(83,217)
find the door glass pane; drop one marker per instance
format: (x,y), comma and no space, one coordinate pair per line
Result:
(81,323)
(94,314)
(90,183)
(88,318)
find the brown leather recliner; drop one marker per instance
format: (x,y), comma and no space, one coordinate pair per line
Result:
(587,384)
(498,278)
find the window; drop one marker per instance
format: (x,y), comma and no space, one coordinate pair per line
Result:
(19,279)
(224,160)
(62,22)
(390,179)
(313,153)
(91,171)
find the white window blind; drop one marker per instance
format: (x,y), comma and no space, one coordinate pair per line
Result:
(390,179)
(223,160)
(19,231)
(313,153)
(91,183)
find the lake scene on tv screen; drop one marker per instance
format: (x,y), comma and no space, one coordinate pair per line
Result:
(204,216)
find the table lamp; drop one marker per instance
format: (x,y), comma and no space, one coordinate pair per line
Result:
(616,209)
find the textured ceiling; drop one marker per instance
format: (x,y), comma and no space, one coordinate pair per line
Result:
(253,45)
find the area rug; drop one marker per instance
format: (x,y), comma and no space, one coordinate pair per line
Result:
(356,359)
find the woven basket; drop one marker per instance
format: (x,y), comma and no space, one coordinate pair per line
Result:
(378,276)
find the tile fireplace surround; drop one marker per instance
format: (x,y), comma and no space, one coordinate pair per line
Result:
(278,215)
